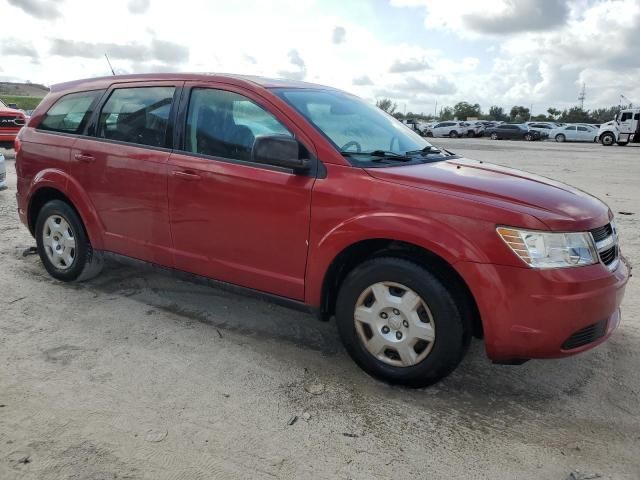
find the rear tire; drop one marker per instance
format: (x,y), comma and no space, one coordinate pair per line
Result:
(429,360)
(63,245)
(528,137)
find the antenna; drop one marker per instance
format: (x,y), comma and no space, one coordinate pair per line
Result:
(112,72)
(582,96)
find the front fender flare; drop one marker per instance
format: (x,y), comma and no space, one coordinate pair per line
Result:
(428,233)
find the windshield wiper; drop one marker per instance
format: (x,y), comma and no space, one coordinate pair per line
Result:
(383,154)
(428,150)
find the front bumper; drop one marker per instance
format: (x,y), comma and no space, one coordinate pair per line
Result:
(8,136)
(528,313)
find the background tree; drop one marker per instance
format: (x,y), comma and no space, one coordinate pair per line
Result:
(497,113)
(463,110)
(446,113)
(387,105)
(519,113)
(553,113)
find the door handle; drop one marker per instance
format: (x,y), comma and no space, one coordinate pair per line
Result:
(186,175)
(84,157)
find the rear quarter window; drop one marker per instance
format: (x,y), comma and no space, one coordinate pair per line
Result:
(70,113)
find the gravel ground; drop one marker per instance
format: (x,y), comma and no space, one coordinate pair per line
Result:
(139,375)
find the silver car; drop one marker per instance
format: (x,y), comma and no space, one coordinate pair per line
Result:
(3,172)
(574,133)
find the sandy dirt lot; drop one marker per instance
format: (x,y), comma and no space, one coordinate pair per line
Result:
(139,375)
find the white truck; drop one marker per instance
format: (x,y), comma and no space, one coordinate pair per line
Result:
(623,129)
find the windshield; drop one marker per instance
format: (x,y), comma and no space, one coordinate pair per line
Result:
(359,130)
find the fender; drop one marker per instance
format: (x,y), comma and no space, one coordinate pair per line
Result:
(428,233)
(71,188)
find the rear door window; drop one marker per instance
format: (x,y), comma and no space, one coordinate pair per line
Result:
(137,115)
(70,113)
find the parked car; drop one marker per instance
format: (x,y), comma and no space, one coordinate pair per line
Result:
(543,128)
(3,173)
(318,200)
(512,131)
(574,133)
(413,125)
(475,129)
(448,129)
(11,121)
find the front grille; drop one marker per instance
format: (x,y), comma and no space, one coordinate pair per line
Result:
(11,121)
(606,241)
(601,233)
(586,335)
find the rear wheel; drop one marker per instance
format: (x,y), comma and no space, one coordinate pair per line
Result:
(63,245)
(607,139)
(528,137)
(560,138)
(494,136)
(400,323)
(453,134)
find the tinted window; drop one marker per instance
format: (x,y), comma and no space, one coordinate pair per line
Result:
(626,116)
(571,128)
(225,124)
(70,113)
(137,115)
(583,129)
(637,116)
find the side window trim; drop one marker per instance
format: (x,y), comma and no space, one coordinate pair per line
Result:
(180,128)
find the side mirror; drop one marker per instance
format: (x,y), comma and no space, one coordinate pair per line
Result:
(281,151)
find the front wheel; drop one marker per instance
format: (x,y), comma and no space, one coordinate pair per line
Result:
(63,245)
(494,136)
(528,137)
(560,138)
(453,134)
(607,139)
(399,323)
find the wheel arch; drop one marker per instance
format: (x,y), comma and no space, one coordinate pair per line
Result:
(56,185)
(360,251)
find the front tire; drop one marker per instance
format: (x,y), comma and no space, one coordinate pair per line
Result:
(494,136)
(399,322)
(528,137)
(607,139)
(560,138)
(63,245)
(453,134)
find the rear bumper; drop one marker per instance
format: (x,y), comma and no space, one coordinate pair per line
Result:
(529,313)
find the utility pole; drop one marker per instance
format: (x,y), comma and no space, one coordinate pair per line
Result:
(582,96)
(435,111)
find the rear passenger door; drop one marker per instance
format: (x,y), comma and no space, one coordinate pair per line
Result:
(124,165)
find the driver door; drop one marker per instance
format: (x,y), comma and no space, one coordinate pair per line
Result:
(232,219)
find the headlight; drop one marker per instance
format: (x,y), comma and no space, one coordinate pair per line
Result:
(550,250)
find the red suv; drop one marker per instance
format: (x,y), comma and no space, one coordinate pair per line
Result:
(317,199)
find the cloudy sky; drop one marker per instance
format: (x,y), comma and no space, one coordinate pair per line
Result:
(417,52)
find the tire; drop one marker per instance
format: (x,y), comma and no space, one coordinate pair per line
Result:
(433,359)
(430,134)
(80,262)
(607,139)
(528,137)
(560,138)
(494,136)
(453,134)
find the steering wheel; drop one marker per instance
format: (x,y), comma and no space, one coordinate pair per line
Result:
(352,143)
(394,139)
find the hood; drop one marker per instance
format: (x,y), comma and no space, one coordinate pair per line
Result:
(10,111)
(557,205)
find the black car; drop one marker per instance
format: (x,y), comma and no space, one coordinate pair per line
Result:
(510,131)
